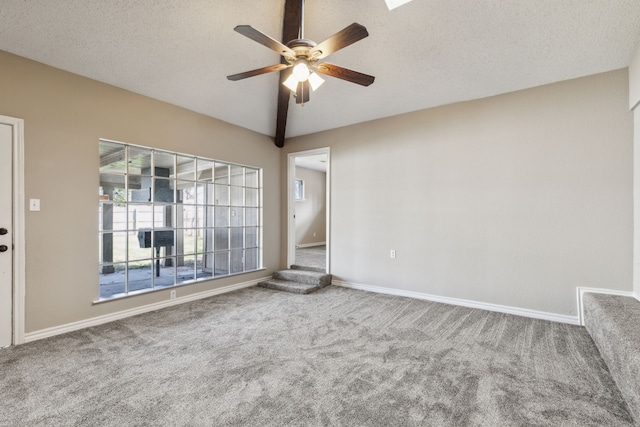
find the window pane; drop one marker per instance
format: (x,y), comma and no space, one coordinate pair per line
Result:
(237,261)
(170,216)
(237,196)
(251,217)
(221,239)
(167,273)
(237,217)
(205,216)
(165,160)
(112,217)
(163,216)
(252,197)
(137,248)
(251,236)
(189,216)
(200,241)
(298,189)
(251,177)
(185,269)
(140,161)
(187,192)
(139,216)
(112,280)
(237,175)
(186,167)
(185,241)
(206,240)
(112,187)
(204,266)
(140,275)
(204,170)
(204,193)
(163,191)
(163,241)
(221,263)
(112,157)
(139,188)
(221,195)
(119,247)
(237,238)
(221,217)
(222,173)
(251,259)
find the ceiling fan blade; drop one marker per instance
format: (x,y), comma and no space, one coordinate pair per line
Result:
(263,70)
(263,39)
(345,74)
(339,40)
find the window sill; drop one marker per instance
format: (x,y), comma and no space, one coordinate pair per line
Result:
(169,288)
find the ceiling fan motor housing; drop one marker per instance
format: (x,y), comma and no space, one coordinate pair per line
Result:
(302,48)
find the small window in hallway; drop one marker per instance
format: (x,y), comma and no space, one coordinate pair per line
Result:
(298,192)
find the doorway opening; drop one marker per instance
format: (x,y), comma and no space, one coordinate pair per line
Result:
(309,196)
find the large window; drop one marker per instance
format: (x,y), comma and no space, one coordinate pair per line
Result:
(168,219)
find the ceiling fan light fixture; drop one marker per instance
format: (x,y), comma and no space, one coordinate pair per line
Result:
(315,81)
(301,70)
(291,83)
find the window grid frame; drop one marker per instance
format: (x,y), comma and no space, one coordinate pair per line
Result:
(204,205)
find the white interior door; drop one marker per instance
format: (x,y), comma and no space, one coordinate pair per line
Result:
(6,235)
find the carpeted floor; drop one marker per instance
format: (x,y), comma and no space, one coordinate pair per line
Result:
(314,257)
(258,357)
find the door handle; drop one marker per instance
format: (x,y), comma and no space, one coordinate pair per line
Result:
(4,248)
(3,231)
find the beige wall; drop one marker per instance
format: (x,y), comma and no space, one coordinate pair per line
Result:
(311,212)
(64,116)
(515,200)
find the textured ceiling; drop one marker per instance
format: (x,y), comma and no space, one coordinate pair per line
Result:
(424,54)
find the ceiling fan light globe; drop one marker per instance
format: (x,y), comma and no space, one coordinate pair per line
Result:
(315,81)
(291,83)
(301,71)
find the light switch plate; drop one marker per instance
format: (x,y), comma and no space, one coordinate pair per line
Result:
(34,205)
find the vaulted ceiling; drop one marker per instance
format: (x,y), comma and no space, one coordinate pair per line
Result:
(423,54)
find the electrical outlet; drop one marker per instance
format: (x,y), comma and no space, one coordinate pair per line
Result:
(172,295)
(392,254)
(314,234)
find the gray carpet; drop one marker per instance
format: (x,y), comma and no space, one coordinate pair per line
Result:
(314,257)
(259,357)
(613,321)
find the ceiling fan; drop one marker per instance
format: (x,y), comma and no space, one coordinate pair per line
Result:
(304,57)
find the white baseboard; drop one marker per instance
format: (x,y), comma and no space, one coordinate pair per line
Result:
(580,291)
(572,320)
(309,245)
(99,320)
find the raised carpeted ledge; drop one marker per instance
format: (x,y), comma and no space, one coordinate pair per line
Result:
(613,322)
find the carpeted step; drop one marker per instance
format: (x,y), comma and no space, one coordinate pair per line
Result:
(304,276)
(612,321)
(289,286)
(302,267)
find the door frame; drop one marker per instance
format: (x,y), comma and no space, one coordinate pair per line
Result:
(291,226)
(19,270)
